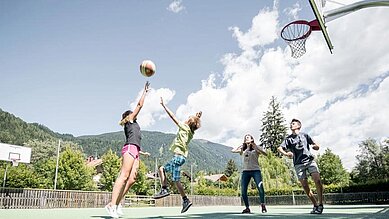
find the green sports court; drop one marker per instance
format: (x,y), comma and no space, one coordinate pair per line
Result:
(301,211)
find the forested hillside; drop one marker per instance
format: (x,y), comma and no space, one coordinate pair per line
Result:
(203,155)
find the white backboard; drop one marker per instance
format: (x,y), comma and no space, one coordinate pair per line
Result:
(9,152)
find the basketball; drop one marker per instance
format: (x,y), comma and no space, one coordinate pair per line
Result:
(147,68)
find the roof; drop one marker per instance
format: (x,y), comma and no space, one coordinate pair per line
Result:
(216,177)
(94,163)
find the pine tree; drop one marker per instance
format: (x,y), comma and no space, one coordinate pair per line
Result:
(273,128)
(230,168)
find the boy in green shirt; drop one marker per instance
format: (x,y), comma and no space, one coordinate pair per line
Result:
(179,147)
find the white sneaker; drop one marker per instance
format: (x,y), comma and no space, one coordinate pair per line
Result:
(111,210)
(119,210)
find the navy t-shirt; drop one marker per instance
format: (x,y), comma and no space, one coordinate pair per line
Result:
(299,146)
(132,132)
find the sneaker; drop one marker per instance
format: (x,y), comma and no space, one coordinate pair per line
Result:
(119,210)
(264,210)
(186,205)
(315,210)
(161,194)
(246,211)
(111,210)
(320,208)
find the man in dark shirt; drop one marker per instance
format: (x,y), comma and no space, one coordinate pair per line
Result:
(297,144)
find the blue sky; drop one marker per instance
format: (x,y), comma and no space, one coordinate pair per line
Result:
(73,66)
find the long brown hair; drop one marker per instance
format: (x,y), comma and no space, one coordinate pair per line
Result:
(246,145)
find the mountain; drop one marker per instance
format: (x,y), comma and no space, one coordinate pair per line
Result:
(203,154)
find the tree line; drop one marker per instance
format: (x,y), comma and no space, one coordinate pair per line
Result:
(277,172)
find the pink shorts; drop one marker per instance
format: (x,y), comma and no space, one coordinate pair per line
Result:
(132,149)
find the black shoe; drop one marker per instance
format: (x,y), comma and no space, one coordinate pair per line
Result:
(315,210)
(320,208)
(163,193)
(263,207)
(186,205)
(246,211)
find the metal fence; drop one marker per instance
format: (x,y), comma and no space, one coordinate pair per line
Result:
(42,198)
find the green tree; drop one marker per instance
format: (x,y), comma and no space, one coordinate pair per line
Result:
(45,169)
(141,185)
(230,168)
(275,172)
(273,129)
(331,169)
(372,161)
(42,149)
(73,174)
(111,168)
(21,176)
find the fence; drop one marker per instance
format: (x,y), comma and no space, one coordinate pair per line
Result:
(41,198)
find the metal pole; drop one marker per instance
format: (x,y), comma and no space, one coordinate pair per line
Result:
(191,179)
(341,11)
(5,175)
(155,177)
(56,167)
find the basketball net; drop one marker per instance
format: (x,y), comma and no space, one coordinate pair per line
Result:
(296,33)
(15,162)
(297,47)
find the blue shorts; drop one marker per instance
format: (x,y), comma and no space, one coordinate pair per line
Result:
(174,167)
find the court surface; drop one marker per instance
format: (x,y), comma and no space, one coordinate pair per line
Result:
(213,212)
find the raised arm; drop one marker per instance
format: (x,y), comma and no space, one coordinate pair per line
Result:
(139,106)
(169,112)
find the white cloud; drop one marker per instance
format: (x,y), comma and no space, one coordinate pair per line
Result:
(176,6)
(341,98)
(152,108)
(293,11)
(263,31)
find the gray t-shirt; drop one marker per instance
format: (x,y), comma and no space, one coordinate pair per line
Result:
(299,146)
(250,160)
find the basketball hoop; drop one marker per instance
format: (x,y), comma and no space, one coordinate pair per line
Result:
(296,33)
(14,157)
(15,162)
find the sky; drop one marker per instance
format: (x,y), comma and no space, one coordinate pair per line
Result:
(73,66)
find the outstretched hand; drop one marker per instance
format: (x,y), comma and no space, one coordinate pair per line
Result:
(162,103)
(147,86)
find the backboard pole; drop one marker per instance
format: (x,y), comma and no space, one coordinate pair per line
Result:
(56,166)
(5,175)
(344,10)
